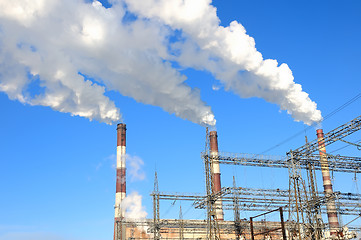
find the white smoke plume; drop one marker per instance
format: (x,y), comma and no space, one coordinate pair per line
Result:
(134,167)
(229,54)
(73,52)
(134,209)
(68,54)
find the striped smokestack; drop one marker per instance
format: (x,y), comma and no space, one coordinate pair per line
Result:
(216,173)
(121,181)
(327,186)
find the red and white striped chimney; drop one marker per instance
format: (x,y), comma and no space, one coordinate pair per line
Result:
(216,173)
(327,186)
(121,177)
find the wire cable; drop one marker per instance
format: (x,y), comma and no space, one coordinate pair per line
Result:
(189,208)
(352,100)
(358,141)
(170,207)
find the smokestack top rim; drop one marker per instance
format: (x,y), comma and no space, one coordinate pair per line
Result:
(319,131)
(213,133)
(121,126)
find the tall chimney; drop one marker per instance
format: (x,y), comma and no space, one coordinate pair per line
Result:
(327,186)
(216,173)
(119,231)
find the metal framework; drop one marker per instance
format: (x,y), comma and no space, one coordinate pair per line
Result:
(210,199)
(237,221)
(156,220)
(212,226)
(331,137)
(252,199)
(337,163)
(303,201)
(268,231)
(309,215)
(181,224)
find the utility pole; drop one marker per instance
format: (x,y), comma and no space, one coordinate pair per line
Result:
(181,224)
(156,220)
(237,221)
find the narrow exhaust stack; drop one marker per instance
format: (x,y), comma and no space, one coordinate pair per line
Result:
(119,231)
(216,173)
(327,187)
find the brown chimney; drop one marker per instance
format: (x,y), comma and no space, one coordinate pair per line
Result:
(327,186)
(216,173)
(119,231)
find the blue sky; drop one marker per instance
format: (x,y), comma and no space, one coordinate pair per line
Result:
(57,170)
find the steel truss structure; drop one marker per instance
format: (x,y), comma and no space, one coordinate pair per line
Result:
(252,199)
(179,227)
(304,203)
(337,163)
(329,138)
(307,202)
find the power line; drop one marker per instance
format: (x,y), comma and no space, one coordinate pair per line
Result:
(286,140)
(352,100)
(358,141)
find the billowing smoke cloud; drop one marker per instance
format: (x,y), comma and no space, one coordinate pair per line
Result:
(134,210)
(134,167)
(72,52)
(229,54)
(68,54)
(132,204)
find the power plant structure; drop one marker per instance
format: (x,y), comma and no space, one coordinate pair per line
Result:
(119,228)
(299,212)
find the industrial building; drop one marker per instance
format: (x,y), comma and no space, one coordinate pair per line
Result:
(302,211)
